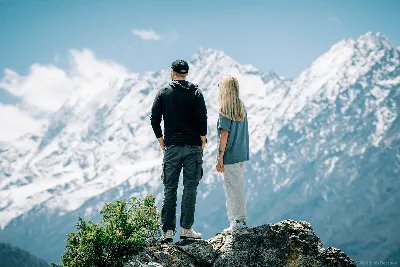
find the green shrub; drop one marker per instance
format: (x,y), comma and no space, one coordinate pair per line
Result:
(125,229)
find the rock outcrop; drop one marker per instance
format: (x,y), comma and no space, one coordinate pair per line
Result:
(287,243)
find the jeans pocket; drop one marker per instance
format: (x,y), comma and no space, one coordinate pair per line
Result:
(163,173)
(199,169)
(168,147)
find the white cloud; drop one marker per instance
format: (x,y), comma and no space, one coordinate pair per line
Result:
(46,88)
(15,122)
(147,34)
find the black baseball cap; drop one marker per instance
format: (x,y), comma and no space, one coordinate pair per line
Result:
(180,66)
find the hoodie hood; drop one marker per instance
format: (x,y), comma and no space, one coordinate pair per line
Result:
(182,85)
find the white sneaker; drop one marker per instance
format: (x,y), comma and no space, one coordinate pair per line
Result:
(168,236)
(189,234)
(235,225)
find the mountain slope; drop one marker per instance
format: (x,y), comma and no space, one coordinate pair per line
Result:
(324,148)
(332,152)
(337,161)
(15,257)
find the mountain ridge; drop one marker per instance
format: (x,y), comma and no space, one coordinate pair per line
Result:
(15,257)
(100,146)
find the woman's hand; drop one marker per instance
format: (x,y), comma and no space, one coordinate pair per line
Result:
(221,150)
(220,164)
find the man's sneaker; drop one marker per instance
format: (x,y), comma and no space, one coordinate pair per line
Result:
(189,234)
(235,225)
(167,237)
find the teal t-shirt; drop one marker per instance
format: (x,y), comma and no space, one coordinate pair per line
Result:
(237,147)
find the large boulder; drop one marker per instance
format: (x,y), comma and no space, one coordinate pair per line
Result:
(287,243)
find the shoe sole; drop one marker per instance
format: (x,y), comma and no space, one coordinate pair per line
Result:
(190,238)
(237,229)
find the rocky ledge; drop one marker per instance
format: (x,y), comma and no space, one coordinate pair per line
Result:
(287,243)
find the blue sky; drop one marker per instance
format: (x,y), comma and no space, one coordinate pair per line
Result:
(284,36)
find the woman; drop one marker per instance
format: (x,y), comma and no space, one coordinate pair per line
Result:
(233,150)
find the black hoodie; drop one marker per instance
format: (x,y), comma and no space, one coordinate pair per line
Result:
(182,106)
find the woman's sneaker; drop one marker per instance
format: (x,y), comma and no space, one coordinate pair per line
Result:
(235,225)
(189,234)
(167,237)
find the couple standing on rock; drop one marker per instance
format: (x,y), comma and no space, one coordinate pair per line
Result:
(181,104)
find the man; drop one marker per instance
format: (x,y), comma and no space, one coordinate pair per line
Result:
(182,106)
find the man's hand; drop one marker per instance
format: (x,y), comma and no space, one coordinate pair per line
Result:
(161,142)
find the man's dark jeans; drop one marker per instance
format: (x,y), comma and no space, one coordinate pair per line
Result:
(191,159)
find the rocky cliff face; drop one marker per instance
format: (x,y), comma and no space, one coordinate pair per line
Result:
(287,243)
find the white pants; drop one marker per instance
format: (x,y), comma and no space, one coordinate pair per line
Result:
(234,191)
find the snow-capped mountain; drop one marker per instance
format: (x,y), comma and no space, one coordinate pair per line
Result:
(325,148)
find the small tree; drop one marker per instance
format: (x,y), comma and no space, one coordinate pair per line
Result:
(125,229)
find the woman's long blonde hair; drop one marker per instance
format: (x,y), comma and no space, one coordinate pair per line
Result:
(229,102)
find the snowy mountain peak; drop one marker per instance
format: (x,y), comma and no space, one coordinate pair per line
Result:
(372,35)
(375,40)
(354,57)
(364,44)
(219,59)
(203,54)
